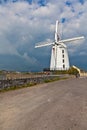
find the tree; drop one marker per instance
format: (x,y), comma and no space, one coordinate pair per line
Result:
(73,71)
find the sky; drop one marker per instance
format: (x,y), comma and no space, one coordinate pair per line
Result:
(23,23)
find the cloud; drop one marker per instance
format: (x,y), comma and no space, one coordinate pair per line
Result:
(24,23)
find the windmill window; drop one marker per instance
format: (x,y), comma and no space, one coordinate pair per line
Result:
(63,66)
(62,51)
(63,56)
(63,60)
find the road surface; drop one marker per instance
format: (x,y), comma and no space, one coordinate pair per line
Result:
(60,105)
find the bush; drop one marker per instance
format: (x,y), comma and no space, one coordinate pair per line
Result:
(73,71)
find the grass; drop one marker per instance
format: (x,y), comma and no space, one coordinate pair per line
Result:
(54,79)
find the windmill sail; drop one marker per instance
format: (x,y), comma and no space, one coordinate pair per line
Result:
(71,39)
(42,44)
(57,36)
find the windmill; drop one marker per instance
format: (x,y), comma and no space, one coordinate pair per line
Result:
(59,53)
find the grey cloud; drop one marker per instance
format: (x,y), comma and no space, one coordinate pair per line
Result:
(23,24)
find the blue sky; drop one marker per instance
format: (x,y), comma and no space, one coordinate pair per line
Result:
(23,23)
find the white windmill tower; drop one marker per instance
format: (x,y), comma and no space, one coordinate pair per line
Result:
(59,54)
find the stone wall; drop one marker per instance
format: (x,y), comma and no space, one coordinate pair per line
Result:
(83,74)
(5,84)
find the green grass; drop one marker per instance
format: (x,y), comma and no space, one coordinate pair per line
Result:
(54,79)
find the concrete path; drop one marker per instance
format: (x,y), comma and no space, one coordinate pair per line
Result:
(60,105)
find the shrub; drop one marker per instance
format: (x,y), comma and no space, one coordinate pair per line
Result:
(73,71)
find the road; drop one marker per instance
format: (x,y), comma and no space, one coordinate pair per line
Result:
(60,105)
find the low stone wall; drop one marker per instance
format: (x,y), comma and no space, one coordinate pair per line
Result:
(83,74)
(6,84)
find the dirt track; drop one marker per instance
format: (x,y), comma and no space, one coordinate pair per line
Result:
(60,105)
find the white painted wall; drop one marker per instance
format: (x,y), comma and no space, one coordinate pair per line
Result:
(57,58)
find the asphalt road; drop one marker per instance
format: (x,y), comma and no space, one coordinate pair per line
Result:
(60,105)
